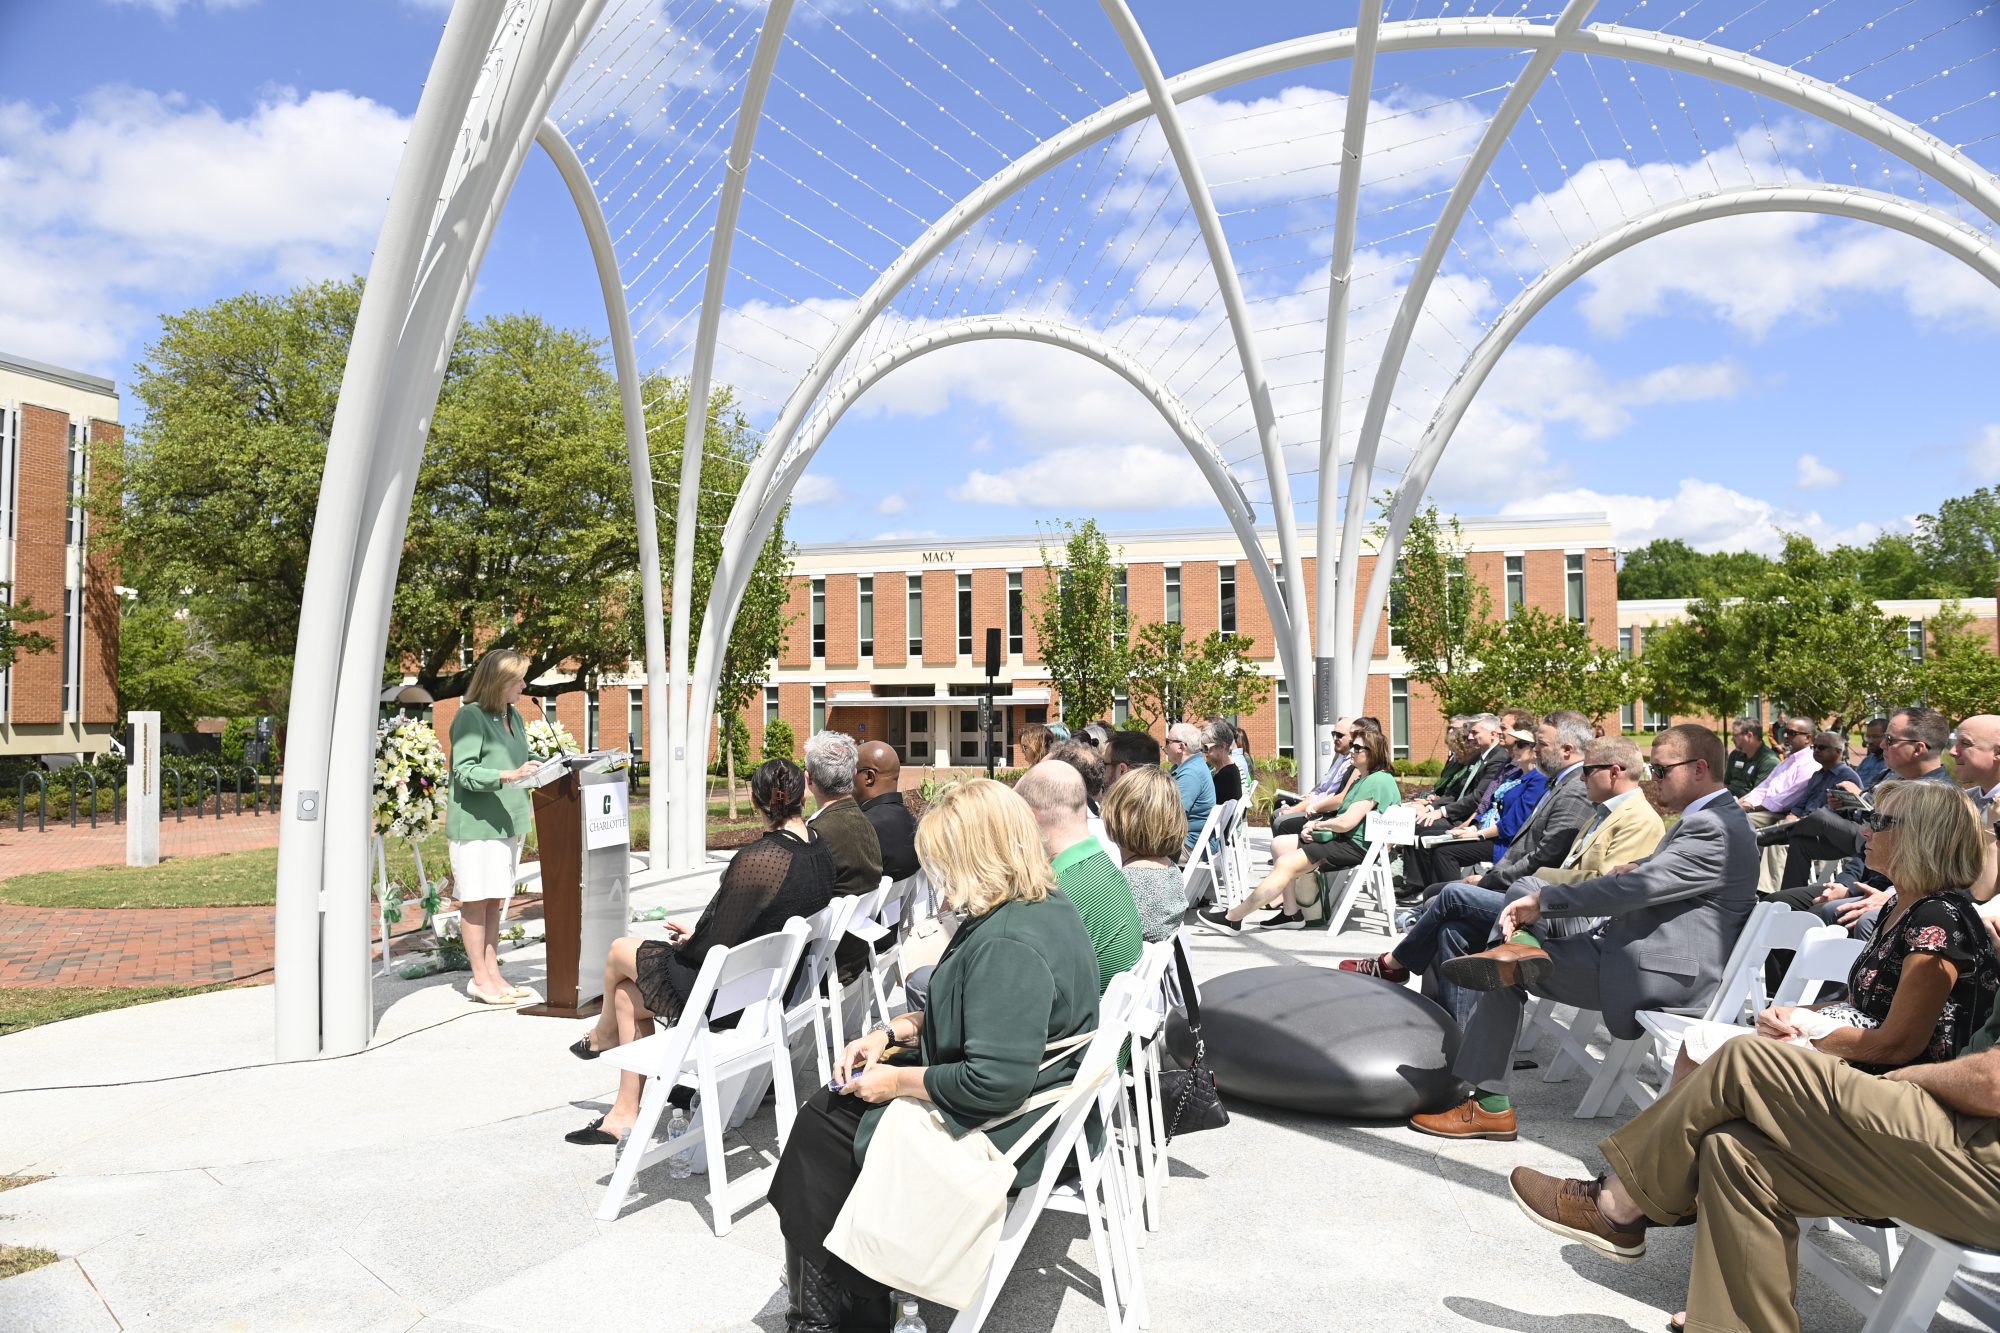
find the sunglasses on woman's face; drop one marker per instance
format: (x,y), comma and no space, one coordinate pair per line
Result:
(1878,821)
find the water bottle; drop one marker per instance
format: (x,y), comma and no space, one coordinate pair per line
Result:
(678,1165)
(911,1321)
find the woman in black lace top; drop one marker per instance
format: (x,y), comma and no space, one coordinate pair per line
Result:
(786,873)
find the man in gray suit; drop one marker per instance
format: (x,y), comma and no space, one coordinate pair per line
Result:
(1671,922)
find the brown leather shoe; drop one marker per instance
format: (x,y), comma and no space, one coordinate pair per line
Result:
(1501,966)
(1569,1208)
(1467,1121)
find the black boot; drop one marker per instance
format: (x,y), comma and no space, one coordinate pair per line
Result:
(818,1304)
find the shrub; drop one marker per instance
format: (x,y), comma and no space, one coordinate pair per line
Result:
(779,742)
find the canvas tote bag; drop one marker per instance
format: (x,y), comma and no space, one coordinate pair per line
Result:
(925,1213)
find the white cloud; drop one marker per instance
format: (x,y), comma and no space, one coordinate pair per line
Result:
(1126,477)
(1705,514)
(143,199)
(1982,456)
(1814,475)
(891,505)
(170,8)
(816,488)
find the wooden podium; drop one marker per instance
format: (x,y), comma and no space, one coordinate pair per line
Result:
(583,831)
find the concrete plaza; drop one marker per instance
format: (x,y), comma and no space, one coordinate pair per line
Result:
(424,1185)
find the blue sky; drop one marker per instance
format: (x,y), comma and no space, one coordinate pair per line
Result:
(1716,385)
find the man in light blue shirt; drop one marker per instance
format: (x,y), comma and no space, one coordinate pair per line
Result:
(1191,775)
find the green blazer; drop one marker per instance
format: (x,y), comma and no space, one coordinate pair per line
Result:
(482,748)
(1010,982)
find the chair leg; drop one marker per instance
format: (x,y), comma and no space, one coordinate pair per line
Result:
(781,1075)
(632,1152)
(714,1117)
(1914,1290)
(1608,1091)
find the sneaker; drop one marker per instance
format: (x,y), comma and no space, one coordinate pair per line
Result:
(1569,1208)
(1281,921)
(1216,918)
(1372,967)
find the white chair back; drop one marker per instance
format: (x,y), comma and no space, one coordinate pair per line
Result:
(1826,954)
(1198,876)
(825,929)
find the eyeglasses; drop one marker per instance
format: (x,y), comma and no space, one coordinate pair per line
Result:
(1902,740)
(1790,732)
(1878,821)
(1599,768)
(1660,770)
(1340,735)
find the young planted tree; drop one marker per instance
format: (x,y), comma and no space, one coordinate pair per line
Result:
(1172,678)
(1079,622)
(1960,675)
(1434,607)
(1815,639)
(1699,665)
(1544,662)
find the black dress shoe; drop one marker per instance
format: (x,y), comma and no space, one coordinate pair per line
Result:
(594,1133)
(581,1049)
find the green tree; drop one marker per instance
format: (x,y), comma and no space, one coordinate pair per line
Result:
(1669,567)
(1815,639)
(1543,662)
(1698,665)
(1891,566)
(1079,622)
(14,639)
(168,663)
(1171,678)
(1961,544)
(1434,605)
(779,743)
(1960,674)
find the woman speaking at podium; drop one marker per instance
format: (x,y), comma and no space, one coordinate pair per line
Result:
(485,819)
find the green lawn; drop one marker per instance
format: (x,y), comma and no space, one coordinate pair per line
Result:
(22,1009)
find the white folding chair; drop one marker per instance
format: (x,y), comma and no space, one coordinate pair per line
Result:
(1229,886)
(749,981)
(1372,874)
(1095,1193)
(885,951)
(1198,875)
(1147,1124)
(812,1001)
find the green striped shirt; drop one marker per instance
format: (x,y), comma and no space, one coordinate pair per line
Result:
(1104,900)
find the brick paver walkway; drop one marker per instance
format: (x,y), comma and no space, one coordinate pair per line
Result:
(66,848)
(150,946)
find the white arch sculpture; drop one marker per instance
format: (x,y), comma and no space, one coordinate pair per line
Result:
(486,102)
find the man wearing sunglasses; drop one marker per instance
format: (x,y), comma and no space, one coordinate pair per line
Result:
(1771,800)
(1671,920)
(1325,798)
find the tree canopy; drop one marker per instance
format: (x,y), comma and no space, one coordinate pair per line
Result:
(1079,622)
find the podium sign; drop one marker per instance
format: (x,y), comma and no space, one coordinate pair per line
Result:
(583,832)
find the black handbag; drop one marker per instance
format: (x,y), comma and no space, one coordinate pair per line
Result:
(1191,1101)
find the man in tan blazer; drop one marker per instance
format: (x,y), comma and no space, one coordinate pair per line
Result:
(1626,827)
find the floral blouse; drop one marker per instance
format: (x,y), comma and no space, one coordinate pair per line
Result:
(1946,924)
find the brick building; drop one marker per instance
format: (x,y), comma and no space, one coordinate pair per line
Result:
(58,430)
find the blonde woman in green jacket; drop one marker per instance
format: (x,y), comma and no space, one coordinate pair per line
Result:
(485,820)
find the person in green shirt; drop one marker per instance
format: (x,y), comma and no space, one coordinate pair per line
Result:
(1336,842)
(1750,760)
(485,819)
(1084,873)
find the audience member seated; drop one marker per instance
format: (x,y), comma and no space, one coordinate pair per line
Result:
(1624,828)
(1874,765)
(1750,759)
(1080,755)
(1343,844)
(1143,816)
(831,761)
(1020,976)
(1454,771)
(1218,739)
(1775,797)
(876,775)
(1671,921)
(1486,761)
(1031,744)
(1054,792)
(1287,819)
(785,873)
(1494,822)
(1191,775)
(1127,750)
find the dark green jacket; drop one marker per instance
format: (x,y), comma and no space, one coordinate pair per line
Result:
(1747,770)
(857,868)
(482,748)
(1009,983)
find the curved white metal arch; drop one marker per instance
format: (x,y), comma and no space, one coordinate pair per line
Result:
(1925,223)
(1256,384)
(631,401)
(1333,361)
(981,328)
(1404,327)
(741,541)
(684,819)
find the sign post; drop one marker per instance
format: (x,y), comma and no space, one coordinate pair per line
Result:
(142,789)
(986,700)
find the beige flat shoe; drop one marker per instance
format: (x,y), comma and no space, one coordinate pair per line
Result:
(473,992)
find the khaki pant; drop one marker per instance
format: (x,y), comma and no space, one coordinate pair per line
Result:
(1767,1133)
(1770,860)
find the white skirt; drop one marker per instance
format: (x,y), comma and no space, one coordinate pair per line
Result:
(483,868)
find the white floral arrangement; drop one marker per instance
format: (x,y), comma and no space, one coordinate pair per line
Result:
(547,739)
(411,779)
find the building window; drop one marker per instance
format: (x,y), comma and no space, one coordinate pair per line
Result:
(1121,707)
(920,740)
(1119,595)
(1225,585)
(819,618)
(635,722)
(1399,718)
(1656,716)
(864,614)
(1398,602)
(770,704)
(1284,719)
(1278,578)
(1628,714)
(592,724)
(1625,641)
(1517,585)
(819,709)
(78,464)
(1014,616)
(1173,615)
(72,651)
(1573,586)
(549,710)
(965,615)
(915,628)
(1913,634)
(10,475)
